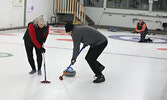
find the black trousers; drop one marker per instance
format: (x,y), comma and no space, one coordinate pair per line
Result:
(142,36)
(29,50)
(92,55)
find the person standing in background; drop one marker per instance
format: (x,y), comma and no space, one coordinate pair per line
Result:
(34,37)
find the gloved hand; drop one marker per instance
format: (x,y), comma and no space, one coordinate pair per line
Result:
(42,50)
(43,40)
(73,61)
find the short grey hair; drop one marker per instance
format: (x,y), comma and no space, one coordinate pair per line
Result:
(141,19)
(41,19)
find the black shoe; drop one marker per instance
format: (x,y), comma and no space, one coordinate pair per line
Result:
(140,41)
(149,40)
(39,72)
(99,79)
(32,72)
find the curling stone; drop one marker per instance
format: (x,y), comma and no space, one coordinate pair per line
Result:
(70,73)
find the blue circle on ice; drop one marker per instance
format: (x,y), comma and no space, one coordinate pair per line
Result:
(132,38)
(5,54)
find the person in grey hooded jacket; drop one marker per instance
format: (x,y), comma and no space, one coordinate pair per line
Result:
(97,42)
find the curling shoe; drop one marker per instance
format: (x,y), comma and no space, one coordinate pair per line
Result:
(149,40)
(99,79)
(140,41)
(39,72)
(32,72)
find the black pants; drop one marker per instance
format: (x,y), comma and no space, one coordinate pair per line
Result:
(29,50)
(93,54)
(142,36)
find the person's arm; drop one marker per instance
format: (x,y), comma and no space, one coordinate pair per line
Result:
(76,43)
(76,49)
(143,28)
(46,35)
(137,29)
(32,34)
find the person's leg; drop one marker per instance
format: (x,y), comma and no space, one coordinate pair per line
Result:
(101,67)
(91,58)
(39,60)
(143,35)
(29,51)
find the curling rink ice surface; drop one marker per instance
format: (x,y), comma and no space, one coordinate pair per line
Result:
(134,71)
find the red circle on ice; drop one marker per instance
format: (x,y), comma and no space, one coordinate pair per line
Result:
(162,48)
(64,39)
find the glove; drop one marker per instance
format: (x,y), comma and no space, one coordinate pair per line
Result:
(73,61)
(135,32)
(43,40)
(42,50)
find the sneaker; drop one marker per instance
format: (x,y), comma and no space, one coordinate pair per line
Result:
(32,72)
(39,72)
(99,79)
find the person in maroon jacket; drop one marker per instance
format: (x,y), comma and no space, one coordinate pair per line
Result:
(34,37)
